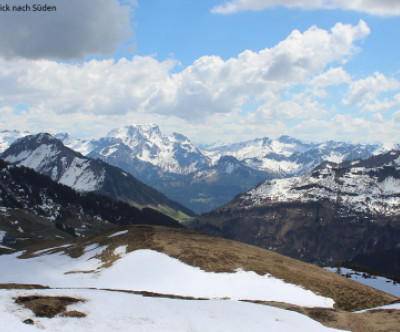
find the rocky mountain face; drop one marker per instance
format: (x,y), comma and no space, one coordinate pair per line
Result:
(35,208)
(196,176)
(334,212)
(47,155)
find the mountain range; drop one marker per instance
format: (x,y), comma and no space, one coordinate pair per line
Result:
(333,213)
(354,203)
(47,155)
(204,178)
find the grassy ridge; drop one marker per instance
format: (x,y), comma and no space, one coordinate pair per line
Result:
(221,255)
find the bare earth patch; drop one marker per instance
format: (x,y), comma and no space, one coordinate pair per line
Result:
(22,286)
(73,313)
(47,306)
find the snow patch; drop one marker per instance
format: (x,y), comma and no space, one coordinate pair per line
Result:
(377,282)
(395,306)
(119,233)
(48,250)
(121,250)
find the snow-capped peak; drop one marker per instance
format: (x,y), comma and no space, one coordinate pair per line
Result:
(135,131)
(173,154)
(47,155)
(80,145)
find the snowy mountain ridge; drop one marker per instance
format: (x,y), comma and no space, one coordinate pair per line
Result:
(333,213)
(33,206)
(80,145)
(172,154)
(372,190)
(175,154)
(287,156)
(173,165)
(284,156)
(46,155)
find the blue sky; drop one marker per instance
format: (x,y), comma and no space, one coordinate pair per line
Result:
(211,69)
(188,30)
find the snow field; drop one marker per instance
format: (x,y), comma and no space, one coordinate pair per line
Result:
(116,311)
(148,270)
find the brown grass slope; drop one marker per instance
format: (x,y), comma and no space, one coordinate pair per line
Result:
(221,255)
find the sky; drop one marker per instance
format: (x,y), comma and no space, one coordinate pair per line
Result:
(213,70)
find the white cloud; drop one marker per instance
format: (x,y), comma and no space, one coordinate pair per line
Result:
(144,85)
(300,106)
(396,117)
(347,127)
(365,91)
(97,87)
(382,105)
(268,93)
(77,29)
(373,7)
(212,85)
(333,76)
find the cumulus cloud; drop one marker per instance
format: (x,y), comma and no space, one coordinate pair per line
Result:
(396,117)
(348,127)
(210,85)
(382,105)
(300,106)
(77,29)
(265,93)
(96,87)
(332,76)
(366,91)
(373,7)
